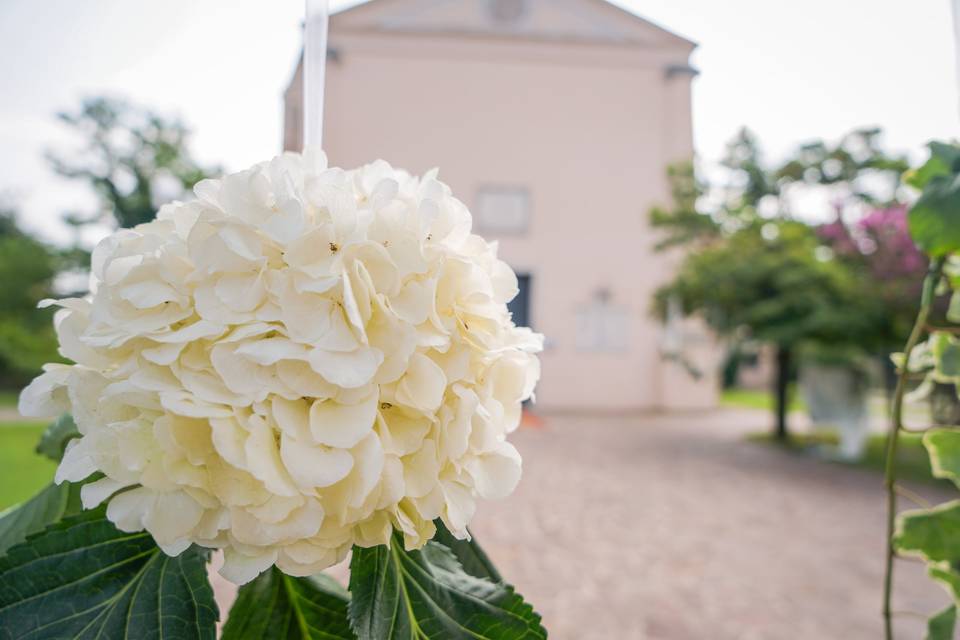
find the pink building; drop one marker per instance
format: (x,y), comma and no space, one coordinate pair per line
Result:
(554,121)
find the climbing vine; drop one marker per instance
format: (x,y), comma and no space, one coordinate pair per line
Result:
(930,356)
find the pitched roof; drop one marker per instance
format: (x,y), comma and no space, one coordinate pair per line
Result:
(399,14)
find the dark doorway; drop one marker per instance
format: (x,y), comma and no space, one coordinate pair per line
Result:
(520,306)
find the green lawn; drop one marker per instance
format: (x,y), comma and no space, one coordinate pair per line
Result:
(23,471)
(754,399)
(912,460)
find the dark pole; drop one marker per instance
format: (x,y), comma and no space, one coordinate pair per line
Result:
(781,386)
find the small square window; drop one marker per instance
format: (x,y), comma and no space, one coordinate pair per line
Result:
(502,210)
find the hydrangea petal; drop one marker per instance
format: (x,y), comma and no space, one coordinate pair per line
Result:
(263,459)
(314,466)
(496,474)
(348,369)
(240,568)
(342,425)
(423,385)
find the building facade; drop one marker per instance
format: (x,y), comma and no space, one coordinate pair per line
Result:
(554,121)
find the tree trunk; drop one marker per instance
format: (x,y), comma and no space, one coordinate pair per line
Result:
(780,387)
(890,374)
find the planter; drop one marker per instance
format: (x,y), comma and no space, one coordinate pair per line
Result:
(836,396)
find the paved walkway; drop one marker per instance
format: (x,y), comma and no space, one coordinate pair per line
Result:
(675,528)
(10,414)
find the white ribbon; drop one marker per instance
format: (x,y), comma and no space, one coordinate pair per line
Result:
(314,71)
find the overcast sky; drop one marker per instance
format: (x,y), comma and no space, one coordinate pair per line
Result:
(789,70)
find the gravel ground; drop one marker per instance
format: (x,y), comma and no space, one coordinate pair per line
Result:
(675,528)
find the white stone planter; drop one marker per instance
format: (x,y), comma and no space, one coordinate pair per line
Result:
(836,396)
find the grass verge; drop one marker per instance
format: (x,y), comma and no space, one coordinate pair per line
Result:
(913,463)
(24,472)
(756,399)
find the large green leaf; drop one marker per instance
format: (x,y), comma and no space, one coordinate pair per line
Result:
(943,445)
(944,160)
(941,626)
(934,219)
(83,579)
(426,595)
(472,558)
(276,606)
(946,354)
(933,533)
(50,505)
(55,437)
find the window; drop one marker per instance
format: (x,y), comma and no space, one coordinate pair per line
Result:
(602,326)
(502,210)
(507,11)
(519,307)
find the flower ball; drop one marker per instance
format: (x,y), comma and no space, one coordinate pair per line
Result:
(301,359)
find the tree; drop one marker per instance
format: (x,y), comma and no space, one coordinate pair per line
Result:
(754,268)
(132,158)
(879,245)
(736,204)
(752,182)
(768,280)
(857,167)
(27,270)
(684,223)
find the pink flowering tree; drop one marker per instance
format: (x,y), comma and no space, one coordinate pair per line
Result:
(878,246)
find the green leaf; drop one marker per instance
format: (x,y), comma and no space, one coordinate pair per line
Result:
(953,311)
(83,578)
(426,595)
(943,445)
(54,440)
(49,506)
(940,626)
(947,576)
(276,606)
(933,533)
(472,558)
(934,219)
(946,354)
(943,161)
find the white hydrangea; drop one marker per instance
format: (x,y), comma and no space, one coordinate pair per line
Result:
(302,359)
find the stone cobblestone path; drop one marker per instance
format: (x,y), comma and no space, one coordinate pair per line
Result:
(676,528)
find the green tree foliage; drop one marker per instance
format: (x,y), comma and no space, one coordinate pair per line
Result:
(132,158)
(754,268)
(857,163)
(767,279)
(752,181)
(683,223)
(687,221)
(27,270)
(878,247)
